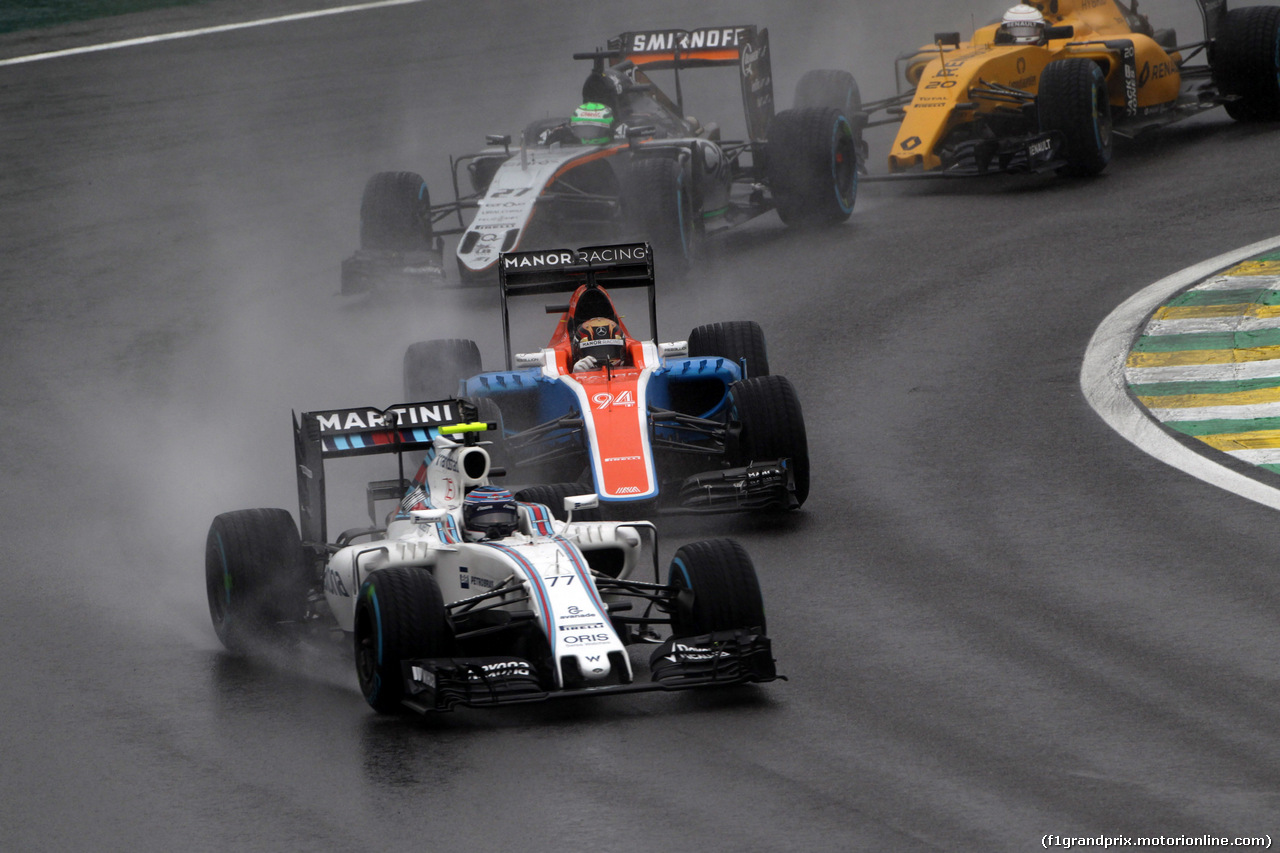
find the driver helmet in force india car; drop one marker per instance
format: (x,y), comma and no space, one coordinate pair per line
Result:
(592,124)
(1024,24)
(600,338)
(489,512)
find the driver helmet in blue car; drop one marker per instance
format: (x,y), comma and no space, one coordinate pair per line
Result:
(489,512)
(592,124)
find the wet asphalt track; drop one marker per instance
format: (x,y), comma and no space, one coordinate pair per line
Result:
(1000,619)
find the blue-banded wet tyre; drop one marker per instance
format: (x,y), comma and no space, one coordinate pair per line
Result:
(716,589)
(736,340)
(400,616)
(1073,101)
(1246,63)
(395,213)
(772,426)
(825,87)
(811,164)
(257,577)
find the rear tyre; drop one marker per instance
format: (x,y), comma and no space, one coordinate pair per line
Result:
(434,370)
(660,209)
(716,589)
(772,422)
(736,340)
(812,166)
(400,616)
(1246,63)
(553,495)
(838,89)
(1073,101)
(256,577)
(395,213)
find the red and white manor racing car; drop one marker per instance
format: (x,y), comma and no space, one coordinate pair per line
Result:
(468,597)
(691,426)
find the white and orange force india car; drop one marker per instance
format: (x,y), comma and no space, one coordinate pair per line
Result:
(995,104)
(694,425)
(665,177)
(438,617)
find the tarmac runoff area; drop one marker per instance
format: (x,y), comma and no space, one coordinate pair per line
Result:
(1188,369)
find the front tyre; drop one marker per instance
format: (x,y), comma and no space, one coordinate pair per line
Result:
(1073,101)
(256,577)
(716,589)
(740,341)
(812,166)
(395,213)
(1246,63)
(400,616)
(660,208)
(434,370)
(772,423)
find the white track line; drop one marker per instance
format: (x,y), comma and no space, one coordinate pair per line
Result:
(204,31)
(1102,378)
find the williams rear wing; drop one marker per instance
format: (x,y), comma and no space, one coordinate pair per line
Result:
(565,270)
(339,433)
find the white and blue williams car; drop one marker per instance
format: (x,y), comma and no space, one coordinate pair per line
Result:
(461,595)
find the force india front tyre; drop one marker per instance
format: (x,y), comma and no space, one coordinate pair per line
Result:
(772,426)
(256,577)
(716,589)
(400,616)
(812,166)
(1073,101)
(395,213)
(434,370)
(660,209)
(1246,63)
(740,341)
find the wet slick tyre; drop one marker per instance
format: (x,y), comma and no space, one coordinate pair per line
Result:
(716,589)
(433,370)
(772,423)
(256,577)
(735,340)
(400,616)
(812,166)
(1073,100)
(552,495)
(395,213)
(1246,63)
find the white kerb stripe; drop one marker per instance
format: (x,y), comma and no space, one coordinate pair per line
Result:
(204,31)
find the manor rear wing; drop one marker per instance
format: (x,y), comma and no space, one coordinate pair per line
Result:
(339,433)
(565,270)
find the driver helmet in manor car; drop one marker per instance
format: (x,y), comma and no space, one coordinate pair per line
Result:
(592,124)
(600,338)
(1024,24)
(489,512)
